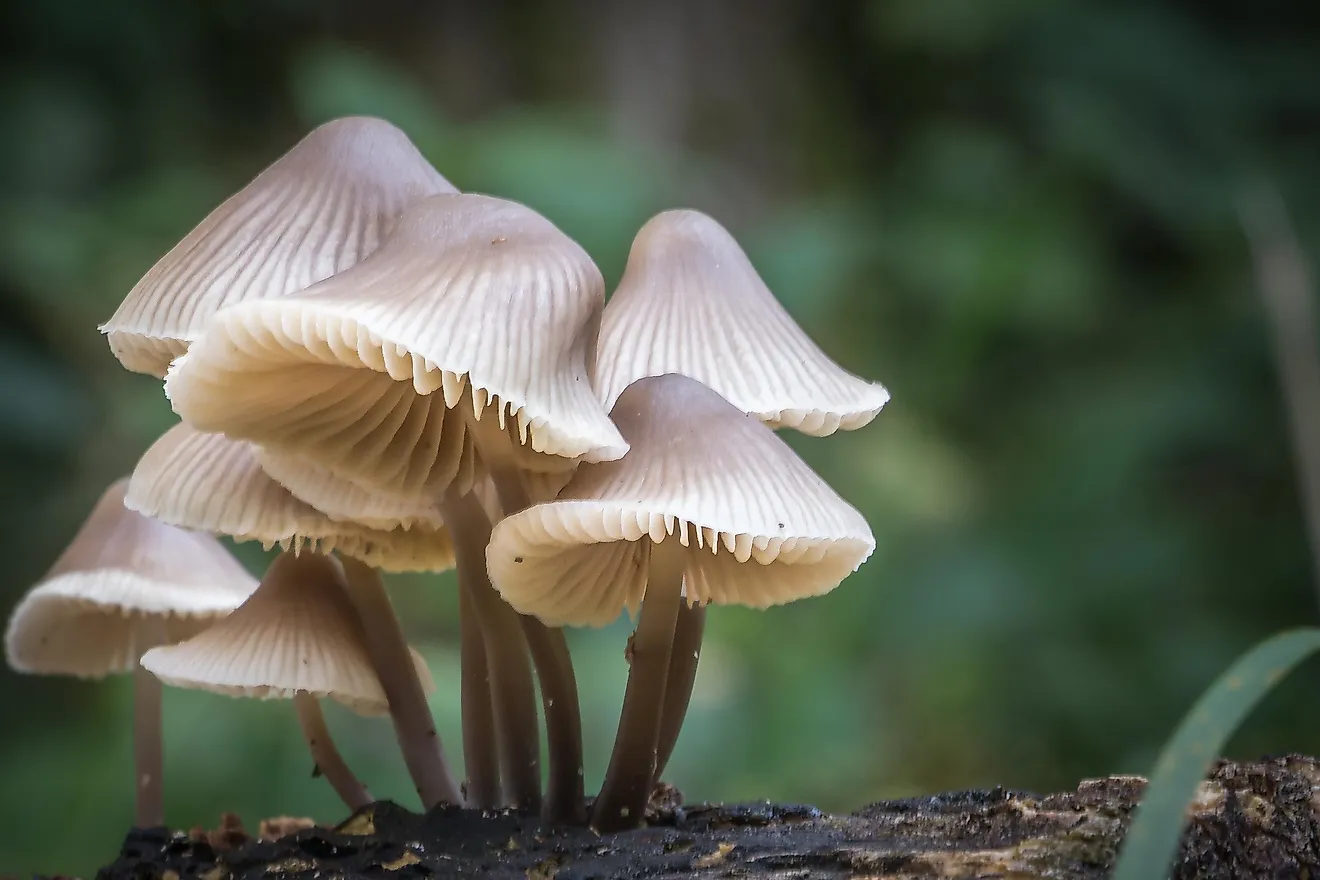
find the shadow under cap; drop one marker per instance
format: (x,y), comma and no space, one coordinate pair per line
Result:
(212,483)
(319,209)
(123,580)
(297,632)
(691,302)
(760,526)
(470,297)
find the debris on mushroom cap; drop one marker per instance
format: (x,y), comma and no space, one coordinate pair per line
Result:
(215,484)
(468,292)
(691,302)
(122,572)
(761,527)
(322,207)
(297,632)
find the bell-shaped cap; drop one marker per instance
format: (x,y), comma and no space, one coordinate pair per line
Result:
(124,584)
(760,527)
(322,207)
(359,371)
(297,632)
(691,302)
(214,484)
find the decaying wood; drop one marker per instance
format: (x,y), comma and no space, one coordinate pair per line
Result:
(1249,820)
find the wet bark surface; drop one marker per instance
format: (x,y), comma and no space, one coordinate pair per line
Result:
(1249,820)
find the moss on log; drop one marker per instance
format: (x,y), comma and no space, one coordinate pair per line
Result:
(1249,820)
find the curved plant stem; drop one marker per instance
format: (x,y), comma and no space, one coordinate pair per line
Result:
(328,760)
(627,786)
(565,800)
(413,724)
(480,754)
(148,760)
(688,630)
(513,690)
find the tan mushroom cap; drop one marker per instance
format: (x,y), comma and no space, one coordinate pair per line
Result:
(297,632)
(691,302)
(322,207)
(761,527)
(471,297)
(212,483)
(123,584)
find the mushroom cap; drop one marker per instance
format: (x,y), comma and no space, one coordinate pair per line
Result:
(320,208)
(124,582)
(469,293)
(297,632)
(212,483)
(760,526)
(691,302)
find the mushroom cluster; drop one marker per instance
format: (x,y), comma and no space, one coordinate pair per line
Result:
(376,372)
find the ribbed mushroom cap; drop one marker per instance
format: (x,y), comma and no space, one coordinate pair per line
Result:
(322,207)
(691,302)
(298,632)
(122,584)
(760,526)
(357,372)
(212,483)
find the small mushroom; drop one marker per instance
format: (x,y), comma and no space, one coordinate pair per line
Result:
(297,637)
(212,483)
(126,583)
(708,506)
(474,323)
(691,302)
(320,208)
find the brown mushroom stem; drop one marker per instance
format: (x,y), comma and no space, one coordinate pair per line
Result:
(480,755)
(513,690)
(683,659)
(565,799)
(413,724)
(627,786)
(329,762)
(148,761)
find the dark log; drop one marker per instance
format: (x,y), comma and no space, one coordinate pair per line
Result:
(1249,820)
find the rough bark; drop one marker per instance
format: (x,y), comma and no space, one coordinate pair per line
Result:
(1249,820)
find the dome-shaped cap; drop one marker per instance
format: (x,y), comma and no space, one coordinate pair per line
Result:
(125,582)
(214,484)
(297,632)
(322,207)
(760,526)
(691,302)
(468,292)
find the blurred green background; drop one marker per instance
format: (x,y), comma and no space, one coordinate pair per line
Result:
(1019,215)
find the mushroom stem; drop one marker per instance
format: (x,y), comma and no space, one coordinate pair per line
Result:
(328,760)
(148,761)
(480,754)
(627,786)
(513,690)
(413,724)
(565,800)
(683,659)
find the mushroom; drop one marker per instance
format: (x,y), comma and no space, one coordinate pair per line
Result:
(475,322)
(125,584)
(691,302)
(212,483)
(320,208)
(297,637)
(709,505)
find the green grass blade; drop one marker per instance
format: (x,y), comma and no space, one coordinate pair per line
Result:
(1152,839)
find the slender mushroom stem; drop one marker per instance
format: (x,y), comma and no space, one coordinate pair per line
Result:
(627,786)
(328,760)
(513,690)
(480,754)
(148,760)
(683,659)
(565,800)
(413,724)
